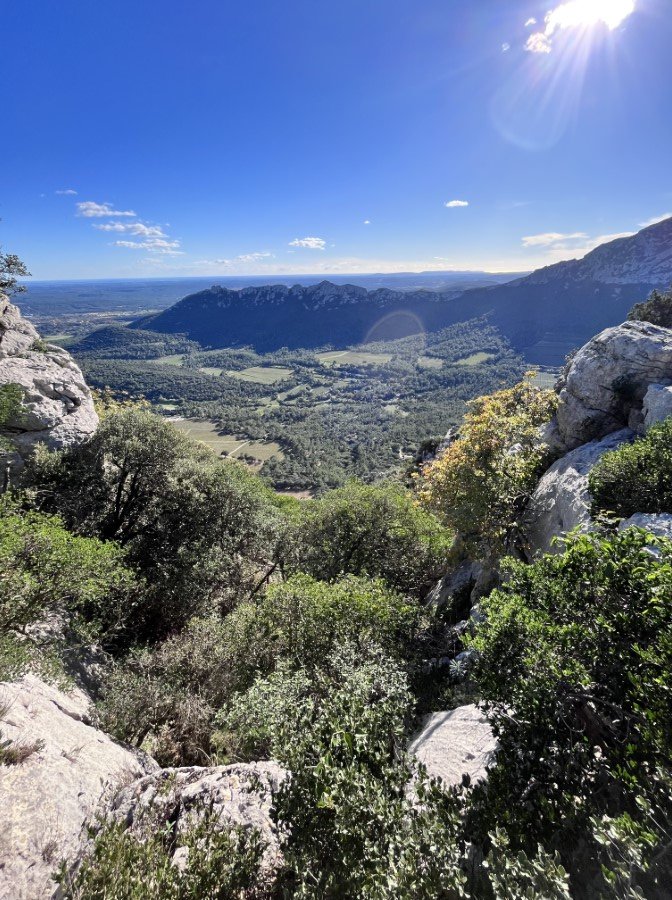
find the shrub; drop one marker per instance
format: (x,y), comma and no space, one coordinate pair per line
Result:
(302,620)
(657,309)
(165,698)
(479,485)
(635,478)
(197,528)
(220,864)
(377,531)
(47,572)
(575,660)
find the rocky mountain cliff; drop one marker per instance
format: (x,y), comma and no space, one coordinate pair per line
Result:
(54,404)
(545,315)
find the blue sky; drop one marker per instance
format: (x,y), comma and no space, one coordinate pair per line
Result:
(212,137)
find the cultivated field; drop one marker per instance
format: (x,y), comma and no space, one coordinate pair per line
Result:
(226,444)
(353,358)
(262,374)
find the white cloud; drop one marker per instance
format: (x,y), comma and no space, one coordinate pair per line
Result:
(580,14)
(655,220)
(91,210)
(138,229)
(309,243)
(557,247)
(530,22)
(252,257)
(66,193)
(455,204)
(551,237)
(538,43)
(153,245)
(367,221)
(506,47)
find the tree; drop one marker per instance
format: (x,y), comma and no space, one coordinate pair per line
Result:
(479,485)
(363,530)
(11,268)
(657,309)
(196,527)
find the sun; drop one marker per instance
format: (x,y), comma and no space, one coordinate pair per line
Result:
(587,13)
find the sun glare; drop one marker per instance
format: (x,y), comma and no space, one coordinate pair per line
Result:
(586,13)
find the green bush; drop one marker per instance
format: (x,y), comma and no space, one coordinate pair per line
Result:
(575,656)
(657,309)
(378,531)
(48,572)
(165,698)
(197,528)
(221,864)
(635,478)
(302,620)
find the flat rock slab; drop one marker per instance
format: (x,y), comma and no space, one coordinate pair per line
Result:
(46,799)
(455,743)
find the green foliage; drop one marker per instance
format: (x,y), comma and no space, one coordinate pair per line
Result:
(120,342)
(575,657)
(302,620)
(482,481)
(165,698)
(517,875)
(221,864)
(353,830)
(11,268)
(46,571)
(197,528)
(657,309)
(378,531)
(635,478)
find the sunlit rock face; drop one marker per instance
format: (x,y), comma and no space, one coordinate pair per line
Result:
(56,407)
(607,381)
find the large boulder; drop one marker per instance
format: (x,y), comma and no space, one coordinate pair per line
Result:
(607,381)
(70,769)
(562,501)
(456,745)
(56,406)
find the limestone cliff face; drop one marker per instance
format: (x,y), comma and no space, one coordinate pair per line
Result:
(616,386)
(56,407)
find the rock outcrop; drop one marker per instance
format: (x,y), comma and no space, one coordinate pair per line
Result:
(235,795)
(69,770)
(607,381)
(659,524)
(56,405)
(455,746)
(562,501)
(657,404)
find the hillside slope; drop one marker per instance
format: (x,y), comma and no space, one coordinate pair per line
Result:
(545,315)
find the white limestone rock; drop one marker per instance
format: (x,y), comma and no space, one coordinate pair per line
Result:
(562,500)
(455,744)
(47,798)
(236,795)
(659,524)
(608,379)
(56,407)
(657,404)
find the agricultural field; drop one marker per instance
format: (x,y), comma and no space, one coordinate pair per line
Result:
(260,374)
(475,359)
(227,444)
(353,358)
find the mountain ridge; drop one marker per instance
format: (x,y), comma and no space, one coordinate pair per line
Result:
(544,314)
